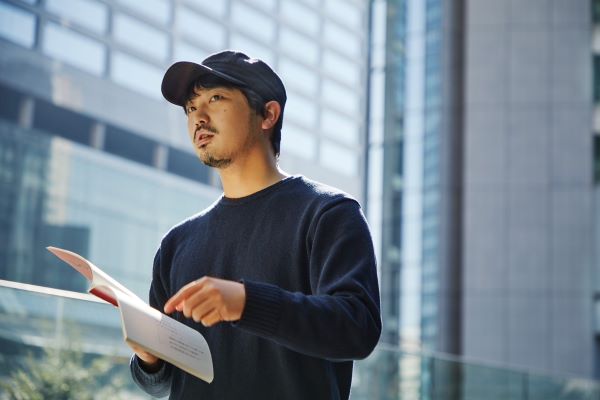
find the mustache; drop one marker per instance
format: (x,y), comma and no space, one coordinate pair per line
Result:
(206,128)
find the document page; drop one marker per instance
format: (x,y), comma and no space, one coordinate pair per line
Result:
(166,338)
(97,278)
(145,326)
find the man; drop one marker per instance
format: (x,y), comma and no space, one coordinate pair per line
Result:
(279,273)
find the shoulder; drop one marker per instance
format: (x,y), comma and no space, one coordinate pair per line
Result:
(180,230)
(320,193)
(319,203)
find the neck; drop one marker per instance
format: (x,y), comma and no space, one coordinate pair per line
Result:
(250,174)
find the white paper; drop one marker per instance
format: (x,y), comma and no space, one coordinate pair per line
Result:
(97,278)
(166,338)
(157,333)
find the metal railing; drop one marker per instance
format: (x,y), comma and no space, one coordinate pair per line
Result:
(61,344)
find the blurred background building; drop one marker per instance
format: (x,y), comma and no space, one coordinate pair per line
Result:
(487,198)
(93,159)
(467,129)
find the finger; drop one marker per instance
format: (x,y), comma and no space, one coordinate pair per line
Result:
(176,300)
(211,318)
(208,291)
(147,357)
(199,300)
(142,354)
(203,309)
(182,294)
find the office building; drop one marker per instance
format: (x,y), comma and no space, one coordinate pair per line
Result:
(486,210)
(95,160)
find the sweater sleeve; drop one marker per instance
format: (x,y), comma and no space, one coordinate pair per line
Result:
(340,318)
(157,384)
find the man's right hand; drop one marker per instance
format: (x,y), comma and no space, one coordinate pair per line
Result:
(149,362)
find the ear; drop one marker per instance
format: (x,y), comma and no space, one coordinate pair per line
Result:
(272,114)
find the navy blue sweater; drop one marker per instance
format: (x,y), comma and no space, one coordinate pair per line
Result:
(305,255)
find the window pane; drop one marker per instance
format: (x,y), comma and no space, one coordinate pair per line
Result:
(187,165)
(300,16)
(252,49)
(201,28)
(129,145)
(140,36)
(301,110)
(297,76)
(338,158)
(345,12)
(74,49)
(91,14)
(249,20)
(340,127)
(136,75)
(343,40)
(10,104)
(596,141)
(299,46)
(217,8)
(342,68)
(595,11)
(158,10)
(17,25)
(298,142)
(62,122)
(340,97)
(187,52)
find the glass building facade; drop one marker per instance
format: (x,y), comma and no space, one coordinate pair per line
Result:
(322,58)
(92,159)
(412,193)
(91,153)
(485,193)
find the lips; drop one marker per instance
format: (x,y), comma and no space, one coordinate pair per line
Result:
(203,139)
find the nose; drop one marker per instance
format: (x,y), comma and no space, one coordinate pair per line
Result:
(200,117)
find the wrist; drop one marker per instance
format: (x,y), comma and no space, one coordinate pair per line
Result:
(150,366)
(241,303)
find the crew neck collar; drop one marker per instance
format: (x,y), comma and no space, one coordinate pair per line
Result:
(232,201)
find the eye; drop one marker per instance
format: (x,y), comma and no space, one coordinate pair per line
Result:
(215,97)
(190,109)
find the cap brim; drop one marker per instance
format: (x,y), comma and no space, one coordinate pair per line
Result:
(182,74)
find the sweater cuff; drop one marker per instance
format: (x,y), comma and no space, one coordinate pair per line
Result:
(148,377)
(263,308)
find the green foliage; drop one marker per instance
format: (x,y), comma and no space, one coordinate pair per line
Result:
(64,374)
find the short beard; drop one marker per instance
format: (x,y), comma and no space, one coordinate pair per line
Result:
(222,163)
(216,162)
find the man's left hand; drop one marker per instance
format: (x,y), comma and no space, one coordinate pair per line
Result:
(209,300)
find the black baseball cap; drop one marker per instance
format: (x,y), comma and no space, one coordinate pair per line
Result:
(232,66)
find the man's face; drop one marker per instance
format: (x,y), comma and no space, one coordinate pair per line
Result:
(221,125)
